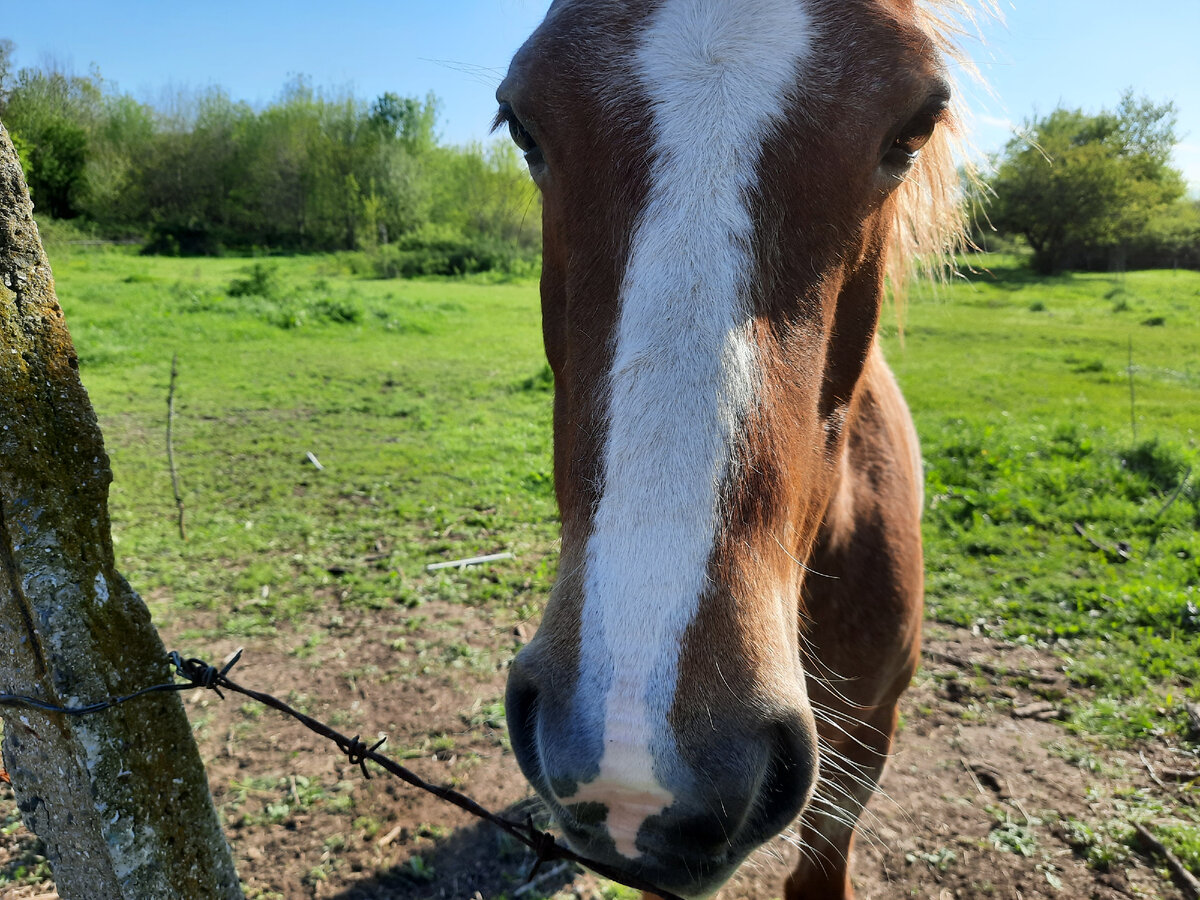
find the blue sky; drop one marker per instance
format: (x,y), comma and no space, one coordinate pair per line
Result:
(1076,52)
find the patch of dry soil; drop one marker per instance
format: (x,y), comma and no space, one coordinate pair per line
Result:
(976,794)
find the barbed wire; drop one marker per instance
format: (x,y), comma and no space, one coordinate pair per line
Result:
(199,674)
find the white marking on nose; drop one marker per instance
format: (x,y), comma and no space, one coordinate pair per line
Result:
(626,783)
(684,374)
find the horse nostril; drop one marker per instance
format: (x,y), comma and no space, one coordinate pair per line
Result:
(703,834)
(790,776)
(520,710)
(556,748)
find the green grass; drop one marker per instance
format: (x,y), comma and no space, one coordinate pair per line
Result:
(422,400)
(1020,389)
(428,403)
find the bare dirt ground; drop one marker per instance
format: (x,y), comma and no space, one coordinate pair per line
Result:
(979,797)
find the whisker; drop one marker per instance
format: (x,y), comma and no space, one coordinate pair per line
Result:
(811,571)
(823,716)
(840,716)
(809,853)
(846,819)
(865,823)
(813,652)
(868,786)
(489,76)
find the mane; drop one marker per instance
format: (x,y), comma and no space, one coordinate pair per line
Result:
(930,219)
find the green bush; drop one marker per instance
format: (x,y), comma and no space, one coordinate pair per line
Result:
(340,310)
(261,280)
(436,250)
(174,239)
(315,170)
(56,232)
(1171,240)
(1159,462)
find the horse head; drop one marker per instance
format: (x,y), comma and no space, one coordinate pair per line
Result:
(724,187)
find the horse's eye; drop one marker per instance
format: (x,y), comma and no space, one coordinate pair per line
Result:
(909,141)
(520,135)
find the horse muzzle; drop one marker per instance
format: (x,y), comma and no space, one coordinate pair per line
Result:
(680,805)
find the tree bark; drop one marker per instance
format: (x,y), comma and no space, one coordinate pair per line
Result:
(119,798)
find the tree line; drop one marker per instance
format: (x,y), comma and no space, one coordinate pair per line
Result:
(201,173)
(1094,191)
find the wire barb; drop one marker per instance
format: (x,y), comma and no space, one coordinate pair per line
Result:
(545,848)
(358,752)
(201,674)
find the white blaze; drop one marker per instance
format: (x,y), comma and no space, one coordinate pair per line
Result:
(718,74)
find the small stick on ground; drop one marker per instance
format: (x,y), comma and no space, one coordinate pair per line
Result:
(469,561)
(1175,496)
(1120,551)
(171,444)
(985,776)
(989,669)
(1149,768)
(1040,710)
(1132,397)
(1184,880)
(974,777)
(557,872)
(390,836)
(1021,807)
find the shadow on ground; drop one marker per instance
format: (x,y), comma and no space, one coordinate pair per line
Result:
(478,861)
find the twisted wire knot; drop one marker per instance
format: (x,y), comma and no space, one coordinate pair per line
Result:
(357,751)
(201,674)
(543,845)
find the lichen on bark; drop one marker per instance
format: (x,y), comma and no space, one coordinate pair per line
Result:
(120,799)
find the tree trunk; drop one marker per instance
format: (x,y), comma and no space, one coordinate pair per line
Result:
(119,798)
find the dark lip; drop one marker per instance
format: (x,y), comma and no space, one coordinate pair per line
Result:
(706,873)
(659,869)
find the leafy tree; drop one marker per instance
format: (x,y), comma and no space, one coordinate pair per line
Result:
(407,120)
(486,191)
(312,171)
(54,112)
(189,189)
(56,164)
(1171,238)
(22,153)
(1082,188)
(7,50)
(122,137)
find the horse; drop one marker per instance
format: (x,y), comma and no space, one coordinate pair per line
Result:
(726,187)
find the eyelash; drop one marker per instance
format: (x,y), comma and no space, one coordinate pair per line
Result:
(916,134)
(517,131)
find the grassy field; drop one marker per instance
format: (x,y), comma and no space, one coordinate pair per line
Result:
(1021,391)
(425,402)
(428,405)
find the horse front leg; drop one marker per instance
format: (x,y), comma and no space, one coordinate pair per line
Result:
(851,767)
